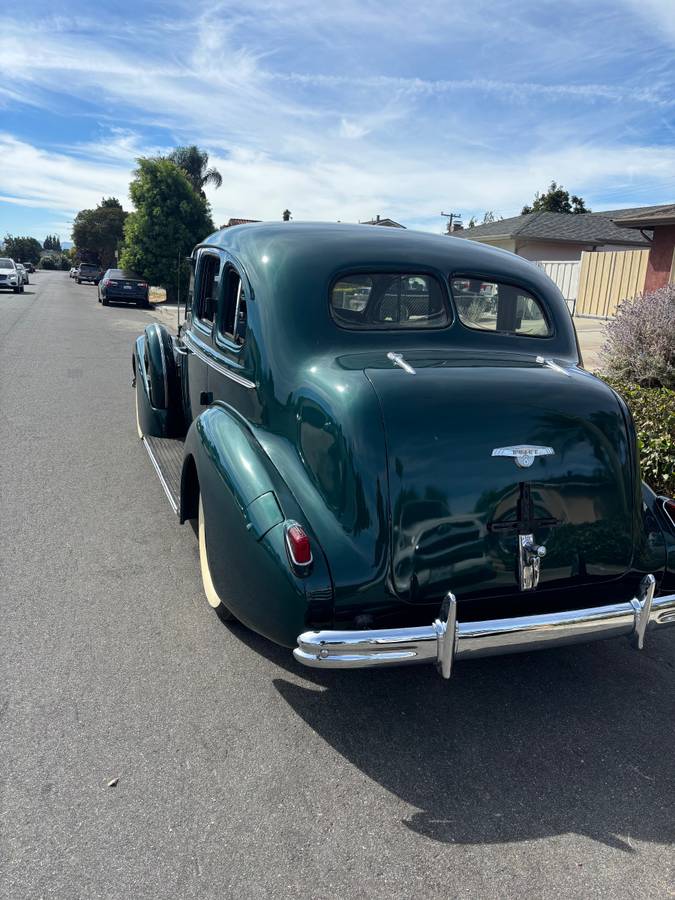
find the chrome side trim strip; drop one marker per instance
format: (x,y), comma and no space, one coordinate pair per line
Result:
(222,370)
(446,639)
(160,474)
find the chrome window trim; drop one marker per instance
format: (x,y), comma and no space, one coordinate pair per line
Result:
(223,339)
(205,325)
(193,345)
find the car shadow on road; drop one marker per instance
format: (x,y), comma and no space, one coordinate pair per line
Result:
(576,740)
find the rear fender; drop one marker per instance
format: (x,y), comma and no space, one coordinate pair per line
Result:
(660,529)
(246,508)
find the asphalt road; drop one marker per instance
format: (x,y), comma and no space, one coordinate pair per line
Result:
(241,774)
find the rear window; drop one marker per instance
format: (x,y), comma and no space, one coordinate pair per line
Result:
(501,308)
(389,301)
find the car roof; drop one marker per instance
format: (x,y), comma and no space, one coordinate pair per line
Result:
(339,245)
(291,265)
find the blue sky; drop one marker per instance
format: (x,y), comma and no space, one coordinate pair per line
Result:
(339,110)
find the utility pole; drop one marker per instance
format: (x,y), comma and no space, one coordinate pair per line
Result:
(451,217)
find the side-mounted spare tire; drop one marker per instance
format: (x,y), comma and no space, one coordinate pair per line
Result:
(160,368)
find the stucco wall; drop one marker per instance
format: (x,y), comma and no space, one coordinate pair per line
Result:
(660,263)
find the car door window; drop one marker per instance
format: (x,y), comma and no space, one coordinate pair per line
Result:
(207,279)
(232,317)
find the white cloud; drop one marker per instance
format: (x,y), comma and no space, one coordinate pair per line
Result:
(339,111)
(31,176)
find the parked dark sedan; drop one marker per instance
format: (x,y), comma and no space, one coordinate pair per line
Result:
(393,453)
(120,286)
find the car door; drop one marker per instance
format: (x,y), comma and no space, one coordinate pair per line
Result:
(198,337)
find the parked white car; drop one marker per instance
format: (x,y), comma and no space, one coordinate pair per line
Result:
(23,272)
(10,277)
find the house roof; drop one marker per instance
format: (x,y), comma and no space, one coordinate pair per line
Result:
(388,222)
(646,216)
(582,228)
(231,222)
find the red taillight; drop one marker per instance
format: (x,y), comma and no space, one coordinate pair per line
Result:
(142,284)
(297,544)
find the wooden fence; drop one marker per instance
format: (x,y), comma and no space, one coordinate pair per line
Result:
(607,278)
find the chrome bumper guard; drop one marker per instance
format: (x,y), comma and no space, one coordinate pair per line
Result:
(447,639)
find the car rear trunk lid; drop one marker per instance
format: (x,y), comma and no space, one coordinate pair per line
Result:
(457,510)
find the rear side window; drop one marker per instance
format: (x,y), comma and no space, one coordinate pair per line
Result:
(208,277)
(389,301)
(501,308)
(233,317)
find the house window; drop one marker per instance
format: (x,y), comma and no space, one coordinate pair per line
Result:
(208,277)
(389,301)
(501,308)
(232,321)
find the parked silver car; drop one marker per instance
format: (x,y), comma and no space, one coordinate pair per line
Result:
(9,275)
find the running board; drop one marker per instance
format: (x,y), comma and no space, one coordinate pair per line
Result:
(166,455)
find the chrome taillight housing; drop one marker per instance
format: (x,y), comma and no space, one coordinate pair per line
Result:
(298,547)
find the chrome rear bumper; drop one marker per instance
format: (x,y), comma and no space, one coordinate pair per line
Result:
(447,639)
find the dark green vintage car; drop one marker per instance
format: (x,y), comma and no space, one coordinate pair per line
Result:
(393,453)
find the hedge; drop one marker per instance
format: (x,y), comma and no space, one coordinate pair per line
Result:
(653,410)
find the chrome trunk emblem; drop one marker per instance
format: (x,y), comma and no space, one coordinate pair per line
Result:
(523,454)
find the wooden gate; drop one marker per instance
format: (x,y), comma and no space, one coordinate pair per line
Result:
(608,277)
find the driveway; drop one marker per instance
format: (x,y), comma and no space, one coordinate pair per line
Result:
(149,751)
(591,333)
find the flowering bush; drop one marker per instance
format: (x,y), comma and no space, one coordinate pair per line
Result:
(640,343)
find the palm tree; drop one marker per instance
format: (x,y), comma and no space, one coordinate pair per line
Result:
(194,162)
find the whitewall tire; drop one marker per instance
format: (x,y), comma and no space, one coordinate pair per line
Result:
(139,430)
(209,587)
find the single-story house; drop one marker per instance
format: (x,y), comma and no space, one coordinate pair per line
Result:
(557,236)
(657,224)
(388,223)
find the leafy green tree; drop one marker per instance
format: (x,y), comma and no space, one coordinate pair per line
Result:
(52,242)
(170,218)
(22,249)
(98,233)
(556,199)
(195,164)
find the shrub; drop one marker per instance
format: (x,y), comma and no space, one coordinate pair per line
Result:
(653,410)
(640,343)
(47,262)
